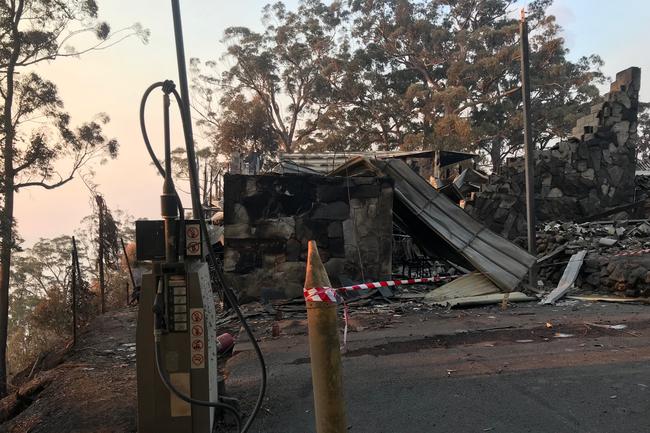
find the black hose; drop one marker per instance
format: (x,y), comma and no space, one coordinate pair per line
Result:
(168,384)
(227,290)
(232,299)
(168,87)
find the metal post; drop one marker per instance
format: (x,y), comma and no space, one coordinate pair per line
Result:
(324,351)
(205,185)
(211,184)
(100,204)
(186,108)
(528,144)
(168,200)
(128,265)
(80,282)
(74,292)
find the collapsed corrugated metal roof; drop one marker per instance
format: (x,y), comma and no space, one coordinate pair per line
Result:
(437,224)
(643,167)
(470,180)
(328,161)
(290,167)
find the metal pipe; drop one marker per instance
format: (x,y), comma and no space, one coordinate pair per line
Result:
(324,351)
(128,265)
(168,203)
(102,281)
(528,144)
(186,108)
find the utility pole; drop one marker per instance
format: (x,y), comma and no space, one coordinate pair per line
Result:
(211,185)
(74,291)
(529,146)
(192,168)
(206,203)
(100,204)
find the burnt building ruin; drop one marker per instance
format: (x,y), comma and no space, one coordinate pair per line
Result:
(269,220)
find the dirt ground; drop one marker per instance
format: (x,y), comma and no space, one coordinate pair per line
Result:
(94,389)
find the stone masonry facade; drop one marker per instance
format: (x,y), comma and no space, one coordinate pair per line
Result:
(269,220)
(589,174)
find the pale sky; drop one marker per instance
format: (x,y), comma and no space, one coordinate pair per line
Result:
(113,81)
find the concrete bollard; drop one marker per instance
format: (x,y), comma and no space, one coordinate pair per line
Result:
(324,351)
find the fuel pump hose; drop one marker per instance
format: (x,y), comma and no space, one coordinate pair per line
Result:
(170,387)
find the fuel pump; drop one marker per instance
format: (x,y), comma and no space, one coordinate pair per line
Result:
(176,348)
(176,344)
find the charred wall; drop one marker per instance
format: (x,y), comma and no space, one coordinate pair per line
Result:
(269,219)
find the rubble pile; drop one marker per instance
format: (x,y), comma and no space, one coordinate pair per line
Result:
(617,260)
(589,174)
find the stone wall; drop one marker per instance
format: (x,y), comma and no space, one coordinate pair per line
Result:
(586,175)
(269,219)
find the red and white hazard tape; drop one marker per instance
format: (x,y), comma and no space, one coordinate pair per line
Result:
(329,294)
(633,253)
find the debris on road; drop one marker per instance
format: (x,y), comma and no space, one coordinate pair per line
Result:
(568,278)
(474,284)
(495,298)
(615,299)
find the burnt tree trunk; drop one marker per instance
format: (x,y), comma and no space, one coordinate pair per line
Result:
(74,291)
(7,215)
(102,288)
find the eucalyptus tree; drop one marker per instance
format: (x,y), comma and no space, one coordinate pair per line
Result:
(464,64)
(36,132)
(283,73)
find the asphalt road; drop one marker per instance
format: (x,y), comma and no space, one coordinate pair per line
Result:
(484,371)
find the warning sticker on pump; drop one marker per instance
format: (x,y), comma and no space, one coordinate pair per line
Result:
(197,316)
(198,338)
(197,361)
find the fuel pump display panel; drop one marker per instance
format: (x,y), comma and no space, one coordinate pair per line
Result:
(177,303)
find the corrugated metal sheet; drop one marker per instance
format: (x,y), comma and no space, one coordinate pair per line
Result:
(329,161)
(439,224)
(568,278)
(474,284)
(495,298)
(290,167)
(643,164)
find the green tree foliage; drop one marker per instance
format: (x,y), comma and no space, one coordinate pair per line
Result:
(462,60)
(282,76)
(117,224)
(643,138)
(401,74)
(36,131)
(41,282)
(210,168)
(41,300)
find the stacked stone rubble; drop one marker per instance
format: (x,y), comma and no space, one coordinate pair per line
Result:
(617,260)
(586,175)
